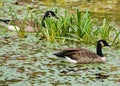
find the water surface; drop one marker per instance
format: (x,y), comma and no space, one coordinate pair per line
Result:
(30,61)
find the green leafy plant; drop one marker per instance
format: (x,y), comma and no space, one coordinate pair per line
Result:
(77,27)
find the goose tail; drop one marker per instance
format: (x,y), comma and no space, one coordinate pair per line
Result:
(59,54)
(5,21)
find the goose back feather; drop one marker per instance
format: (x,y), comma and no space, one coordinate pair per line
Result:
(80,55)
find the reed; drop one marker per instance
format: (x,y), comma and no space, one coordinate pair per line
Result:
(78,27)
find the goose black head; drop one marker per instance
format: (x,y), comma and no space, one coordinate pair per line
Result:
(48,14)
(103,43)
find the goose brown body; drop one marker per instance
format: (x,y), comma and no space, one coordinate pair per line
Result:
(27,25)
(81,55)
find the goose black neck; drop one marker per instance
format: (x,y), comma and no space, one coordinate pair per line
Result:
(99,49)
(43,23)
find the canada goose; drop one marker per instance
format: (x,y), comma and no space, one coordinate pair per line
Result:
(80,55)
(48,14)
(28,25)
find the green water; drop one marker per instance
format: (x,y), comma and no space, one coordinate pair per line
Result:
(30,61)
(99,9)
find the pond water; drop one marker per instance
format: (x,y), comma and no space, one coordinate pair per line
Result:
(22,64)
(100,9)
(30,61)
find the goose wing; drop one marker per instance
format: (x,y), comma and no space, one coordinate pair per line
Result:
(66,52)
(77,54)
(85,56)
(26,25)
(84,53)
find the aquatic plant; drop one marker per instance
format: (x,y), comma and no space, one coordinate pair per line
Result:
(78,27)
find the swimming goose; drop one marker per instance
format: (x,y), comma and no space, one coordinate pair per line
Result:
(80,55)
(28,25)
(48,14)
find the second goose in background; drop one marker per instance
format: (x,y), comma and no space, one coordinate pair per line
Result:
(27,25)
(80,55)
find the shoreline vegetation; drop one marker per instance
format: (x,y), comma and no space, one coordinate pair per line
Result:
(77,27)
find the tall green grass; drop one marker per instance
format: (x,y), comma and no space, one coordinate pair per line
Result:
(78,27)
